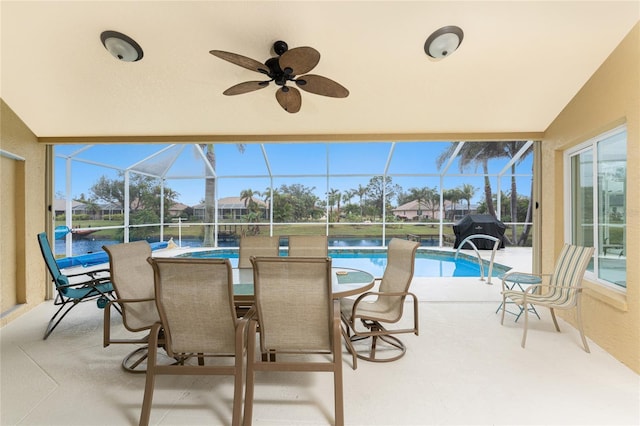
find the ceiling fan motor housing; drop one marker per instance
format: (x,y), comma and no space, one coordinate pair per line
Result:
(280,47)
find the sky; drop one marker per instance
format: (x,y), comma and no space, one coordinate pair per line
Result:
(411,164)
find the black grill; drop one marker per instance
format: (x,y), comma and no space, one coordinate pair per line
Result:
(474,224)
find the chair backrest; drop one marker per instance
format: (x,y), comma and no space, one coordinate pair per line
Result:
(308,245)
(195,302)
(132,278)
(294,303)
(49,259)
(569,272)
(256,246)
(401,256)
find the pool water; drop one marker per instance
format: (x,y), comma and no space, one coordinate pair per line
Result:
(429,263)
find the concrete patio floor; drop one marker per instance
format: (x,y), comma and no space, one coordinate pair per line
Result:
(463,368)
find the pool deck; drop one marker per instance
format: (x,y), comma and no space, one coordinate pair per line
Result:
(463,369)
(472,289)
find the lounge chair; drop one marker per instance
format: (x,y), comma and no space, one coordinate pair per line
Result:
(563,291)
(75,288)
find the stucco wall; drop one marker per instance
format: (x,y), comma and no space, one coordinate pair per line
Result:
(20,260)
(611,97)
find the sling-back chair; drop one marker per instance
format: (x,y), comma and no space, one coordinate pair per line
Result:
(256,246)
(373,309)
(132,279)
(253,246)
(308,245)
(299,323)
(74,288)
(195,301)
(562,292)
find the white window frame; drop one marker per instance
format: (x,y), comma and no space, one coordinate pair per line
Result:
(589,145)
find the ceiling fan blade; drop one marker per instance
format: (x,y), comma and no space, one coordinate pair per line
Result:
(243,61)
(246,87)
(321,86)
(290,101)
(300,60)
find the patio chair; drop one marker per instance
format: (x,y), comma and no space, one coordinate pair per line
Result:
(299,323)
(373,309)
(308,245)
(253,246)
(132,279)
(562,292)
(74,288)
(195,302)
(257,246)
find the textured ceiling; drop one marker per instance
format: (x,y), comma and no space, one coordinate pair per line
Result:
(520,63)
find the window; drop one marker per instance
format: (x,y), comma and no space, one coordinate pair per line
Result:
(597,211)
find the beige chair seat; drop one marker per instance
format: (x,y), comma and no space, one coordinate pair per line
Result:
(370,310)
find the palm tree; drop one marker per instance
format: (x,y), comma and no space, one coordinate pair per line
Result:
(511,148)
(476,153)
(433,201)
(333,196)
(210,195)
(453,195)
(360,192)
(420,195)
(467,191)
(347,196)
(246,195)
(525,231)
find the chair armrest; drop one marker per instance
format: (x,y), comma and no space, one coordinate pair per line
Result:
(242,334)
(149,299)
(336,309)
(154,339)
(89,283)
(106,337)
(90,273)
(379,294)
(508,274)
(251,314)
(532,287)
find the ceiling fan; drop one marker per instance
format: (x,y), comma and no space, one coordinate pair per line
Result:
(287,67)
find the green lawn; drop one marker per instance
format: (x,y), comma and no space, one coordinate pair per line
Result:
(373,230)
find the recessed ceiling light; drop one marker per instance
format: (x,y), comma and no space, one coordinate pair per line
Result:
(122,47)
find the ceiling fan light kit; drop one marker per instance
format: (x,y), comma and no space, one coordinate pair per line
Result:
(443,42)
(289,66)
(121,47)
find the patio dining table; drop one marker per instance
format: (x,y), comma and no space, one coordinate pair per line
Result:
(344,282)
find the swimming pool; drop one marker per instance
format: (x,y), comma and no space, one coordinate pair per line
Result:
(429,263)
